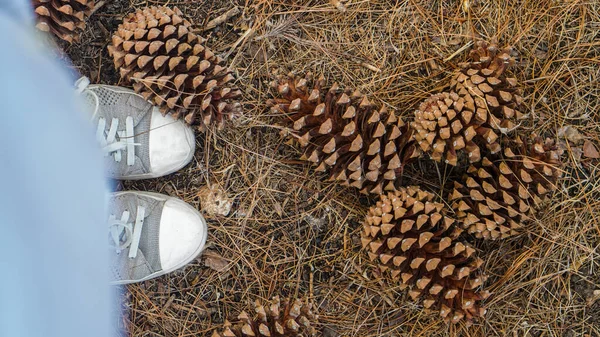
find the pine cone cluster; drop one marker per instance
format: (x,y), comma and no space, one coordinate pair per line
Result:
(277,318)
(501,193)
(483,103)
(63,18)
(416,243)
(343,133)
(157,51)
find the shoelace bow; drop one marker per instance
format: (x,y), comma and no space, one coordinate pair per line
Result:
(125,234)
(111,141)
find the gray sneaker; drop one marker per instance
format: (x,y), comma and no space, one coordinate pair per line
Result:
(137,140)
(151,235)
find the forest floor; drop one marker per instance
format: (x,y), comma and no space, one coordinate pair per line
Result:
(293,234)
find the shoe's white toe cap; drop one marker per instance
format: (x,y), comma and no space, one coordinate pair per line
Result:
(182,234)
(171,144)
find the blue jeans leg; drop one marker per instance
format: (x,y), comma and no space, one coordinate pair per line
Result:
(53,257)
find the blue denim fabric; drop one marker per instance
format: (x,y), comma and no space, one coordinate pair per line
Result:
(53,255)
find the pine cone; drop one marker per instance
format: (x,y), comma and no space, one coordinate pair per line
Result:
(277,319)
(342,132)
(156,50)
(484,85)
(444,125)
(63,18)
(482,104)
(501,193)
(416,244)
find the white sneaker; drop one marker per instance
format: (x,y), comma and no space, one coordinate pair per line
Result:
(151,235)
(137,140)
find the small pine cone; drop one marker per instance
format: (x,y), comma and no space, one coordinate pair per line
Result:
(501,194)
(63,18)
(343,133)
(277,319)
(156,50)
(416,244)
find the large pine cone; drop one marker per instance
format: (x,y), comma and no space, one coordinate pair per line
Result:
(342,132)
(482,104)
(416,244)
(156,50)
(63,18)
(501,194)
(282,319)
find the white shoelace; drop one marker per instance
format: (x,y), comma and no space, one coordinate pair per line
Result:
(108,140)
(110,144)
(123,230)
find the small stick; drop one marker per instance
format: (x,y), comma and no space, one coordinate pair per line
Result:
(311,285)
(239,41)
(99,68)
(97,7)
(104,30)
(222,18)
(370,67)
(458,51)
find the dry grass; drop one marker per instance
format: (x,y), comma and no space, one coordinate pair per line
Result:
(291,233)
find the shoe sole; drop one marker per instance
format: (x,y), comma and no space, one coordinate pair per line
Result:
(183,263)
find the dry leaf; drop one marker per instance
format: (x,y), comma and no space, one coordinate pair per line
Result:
(570,133)
(577,152)
(278,208)
(339,5)
(214,201)
(595,297)
(215,261)
(466,5)
(590,150)
(329,332)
